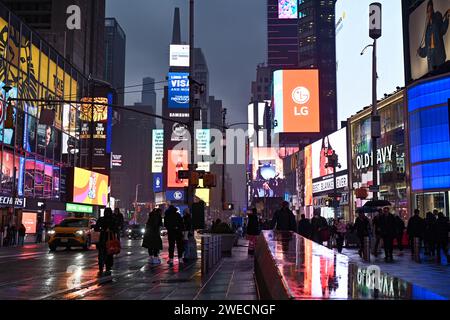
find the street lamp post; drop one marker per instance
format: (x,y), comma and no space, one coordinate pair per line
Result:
(224,114)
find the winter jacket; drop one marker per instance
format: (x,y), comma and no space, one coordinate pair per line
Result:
(416,227)
(173,221)
(304,228)
(106,225)
(284,220)
(388,226)
(362,226)
(253,225)
(152,237)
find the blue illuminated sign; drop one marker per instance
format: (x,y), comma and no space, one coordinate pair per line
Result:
(157,182)
(175,195)
(178,90)
(109,124)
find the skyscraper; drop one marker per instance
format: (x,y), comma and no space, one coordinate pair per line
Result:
(317,50)
(115,43)
(282,34)
(84,47)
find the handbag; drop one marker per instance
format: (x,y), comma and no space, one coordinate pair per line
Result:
(112,244)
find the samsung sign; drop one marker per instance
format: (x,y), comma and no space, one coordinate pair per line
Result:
(178,90)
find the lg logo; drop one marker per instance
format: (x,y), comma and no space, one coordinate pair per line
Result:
(301,95)
(178,195)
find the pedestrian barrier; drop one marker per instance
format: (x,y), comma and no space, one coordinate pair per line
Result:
(416,253)
(366,249)
(211,252)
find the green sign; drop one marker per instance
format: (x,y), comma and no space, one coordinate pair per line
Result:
(73,207)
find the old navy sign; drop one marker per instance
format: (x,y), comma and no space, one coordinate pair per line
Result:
(365,160)
(20,202)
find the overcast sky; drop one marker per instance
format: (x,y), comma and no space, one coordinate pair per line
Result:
(231,33)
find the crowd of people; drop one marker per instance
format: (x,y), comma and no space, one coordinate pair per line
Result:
(15,235)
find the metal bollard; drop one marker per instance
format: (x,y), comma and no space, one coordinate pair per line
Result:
(217,248)
(210,254)
(205,248)
(366,249)
(213,251)
(416,254)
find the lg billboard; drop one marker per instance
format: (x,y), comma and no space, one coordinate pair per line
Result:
(296,101)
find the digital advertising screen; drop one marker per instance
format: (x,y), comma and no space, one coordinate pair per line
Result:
(29,220)
(203,139)
(308,176)
(267,172)
(353,70)
(296,101)
(157,182)
(176,160)
(6,135)
(179,55)
(287,9)
(323,176)
(178,90)
(90,187)
(157,150)
(429,39)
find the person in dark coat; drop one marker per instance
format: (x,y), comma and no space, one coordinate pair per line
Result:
(187,223)
(362,227)
(377,231)
(174,225)
(415,229)
(319,226)
(284,219)
(429,236)
(152,237)
(22,231)
(253,230)
(399,230)
(119,221)
(304,227)
(442,229)
(107,227)
(388,232)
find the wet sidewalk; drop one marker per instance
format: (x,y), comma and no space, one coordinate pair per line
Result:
(427,274)
(231,279)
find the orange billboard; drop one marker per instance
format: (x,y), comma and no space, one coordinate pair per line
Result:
(177,160)
(296,101)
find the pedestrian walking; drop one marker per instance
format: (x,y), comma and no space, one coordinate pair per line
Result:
(107,227)
(253,230)
(415,229)
(152,237)
(304,227)
(388,233)
(22,231)
(174,225)
(340,229)
(399,230)
(39,230)
(442,230)
(284,219)
(189,242)
(376,226)
(319,228)
(429,235)
(118,216)
(362,227)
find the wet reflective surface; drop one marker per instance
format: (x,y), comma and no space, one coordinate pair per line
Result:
(312,271)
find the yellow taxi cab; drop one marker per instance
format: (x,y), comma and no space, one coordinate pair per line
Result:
(72,232)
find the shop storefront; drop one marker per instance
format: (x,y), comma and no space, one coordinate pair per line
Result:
(429,144)
(391,155)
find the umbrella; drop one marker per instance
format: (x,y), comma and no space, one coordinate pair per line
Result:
(377,203)
(367,209)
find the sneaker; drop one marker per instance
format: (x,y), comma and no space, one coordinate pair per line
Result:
(108,273)
(156,260)
(100,274)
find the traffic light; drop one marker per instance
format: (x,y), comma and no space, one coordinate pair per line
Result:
(209,180)
(9,120)
(194,179)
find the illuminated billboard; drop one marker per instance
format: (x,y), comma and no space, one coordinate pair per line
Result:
(179,55)
(296,101)
(178,90)
(287,9)
(353,70)
(157,150)
(29,220)
(429,41)
(203,145)
(308,176)
(176,160)
(90,187)
(267,173)
(322,176)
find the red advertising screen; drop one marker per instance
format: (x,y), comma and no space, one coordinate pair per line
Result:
(29,220)
(177,160)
